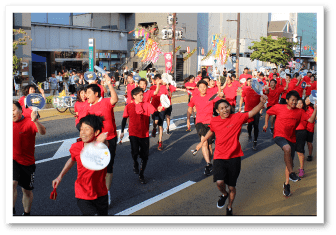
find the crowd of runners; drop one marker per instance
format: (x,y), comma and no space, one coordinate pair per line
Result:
(290,116)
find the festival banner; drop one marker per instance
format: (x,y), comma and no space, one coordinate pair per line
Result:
(168,61)
(190,54)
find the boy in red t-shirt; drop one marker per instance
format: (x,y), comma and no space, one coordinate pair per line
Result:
(230,91)
(228,152)
(204,108)
(138,113)
(104,107)
(131,85)
(90,186)
(288,117)
(24,132)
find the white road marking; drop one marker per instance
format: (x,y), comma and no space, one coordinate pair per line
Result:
(155,199)
(63,150)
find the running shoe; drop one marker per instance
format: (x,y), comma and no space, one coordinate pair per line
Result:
(154,133)
(271,130)
(309,158)
(160,146)
(208,169)
(286,190)
(142,179)
(189,129)
(254,147)
(293,177)
(301,172)
(221,201)
(250,139)
(168,132)
(229,211)
(109,197)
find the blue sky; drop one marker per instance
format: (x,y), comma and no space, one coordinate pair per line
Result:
(53,18)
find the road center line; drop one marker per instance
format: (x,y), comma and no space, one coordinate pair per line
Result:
(155,199)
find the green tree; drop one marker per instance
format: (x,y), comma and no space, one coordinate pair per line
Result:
(277,51)
(20,41)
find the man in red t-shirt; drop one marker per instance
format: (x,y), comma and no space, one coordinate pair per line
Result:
(90,185)
(24,132)
(138,113)
(288,117)
(245,74)
(228,152)
(104,107)
(307,77)
(230,91)
(292,84)
(274,72)
(273,92)
(204,108)
(159,116)
(312,85)
(251,99)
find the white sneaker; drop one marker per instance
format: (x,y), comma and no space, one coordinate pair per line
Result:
(109,198)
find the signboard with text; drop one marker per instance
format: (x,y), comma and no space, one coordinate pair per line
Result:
(92,53)
(168,61)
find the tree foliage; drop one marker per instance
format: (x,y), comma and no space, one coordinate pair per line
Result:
(20,41)
(277,51)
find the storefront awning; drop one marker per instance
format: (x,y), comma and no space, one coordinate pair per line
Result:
(38,58)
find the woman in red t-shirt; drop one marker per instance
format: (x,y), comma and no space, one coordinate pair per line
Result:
(80,105)
(90,186)
(29,89)
(310,127)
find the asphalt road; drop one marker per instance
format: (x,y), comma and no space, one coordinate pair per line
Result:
(166,169)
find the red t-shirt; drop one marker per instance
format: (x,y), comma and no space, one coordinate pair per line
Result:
(197,79)
(171,89)
(252,98)
(147,96)
(298,88)
(81,109)
(291,86)
(245,76)
(139,118)
(306,79)
(212,90)
(101,90)
(236,84)
(129,88)
(283,82)
(230,93)
(195,92)
(105,108)
(204,107)
(310,126)
(89,184)
(286,121)
(303,122)
(156,98)
(273,96)
(25,111)
(24,132)
(312,87)
(189,84)
(227,133)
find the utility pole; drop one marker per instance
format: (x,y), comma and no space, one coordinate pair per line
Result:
(174,56)
(237,43)
(238,46)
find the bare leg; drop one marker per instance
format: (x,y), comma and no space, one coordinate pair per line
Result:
(160,133)
(310,148)
(222,187)
(27,200)
(232,196)
(205,150)
(301,159)
(168,121)
(288,158)
(15,184)
(108,179)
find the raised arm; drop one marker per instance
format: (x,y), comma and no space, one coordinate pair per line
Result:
(41,129)
(114,96)
(313,116)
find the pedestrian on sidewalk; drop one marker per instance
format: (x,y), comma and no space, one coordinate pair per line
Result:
(227,157)
(288,117)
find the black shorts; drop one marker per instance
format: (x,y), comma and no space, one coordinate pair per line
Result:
(24,175)
(227,170)
(281,141)
(301,136)
(268,108)
(113,148)
(169,110)
(159,116)
(310,137)
(202,130)
(97,206)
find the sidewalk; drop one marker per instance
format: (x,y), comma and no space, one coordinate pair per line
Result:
(259,191)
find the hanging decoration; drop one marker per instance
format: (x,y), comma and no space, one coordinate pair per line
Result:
(177,48)
(188,50)
(220,50)
(149,51)
(190,54)
(202,51)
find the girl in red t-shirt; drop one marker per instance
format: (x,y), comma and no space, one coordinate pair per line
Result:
(90,186)
(29,89)
(190,85)
(80,106)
